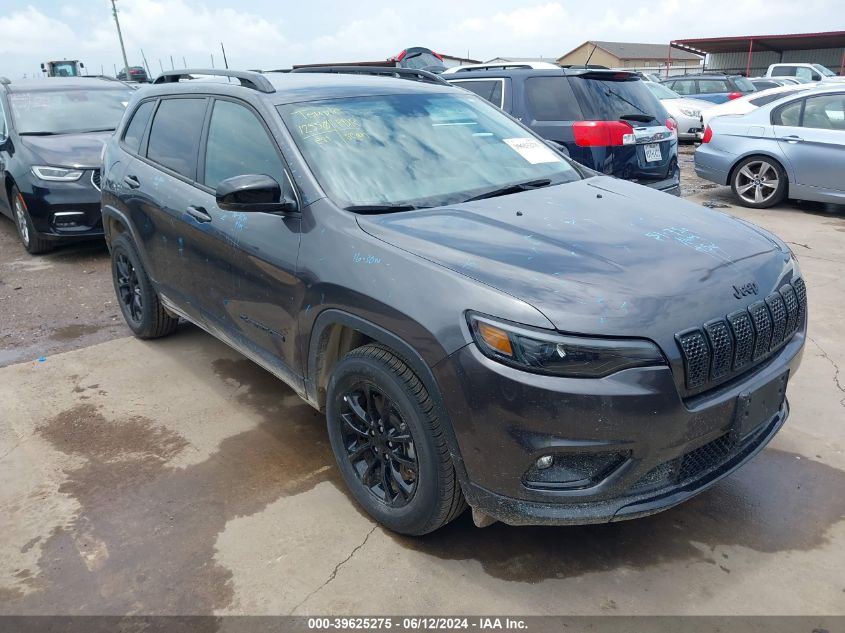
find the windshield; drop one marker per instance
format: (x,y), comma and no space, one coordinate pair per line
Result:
(662,92)
(826,72)
(608,100)
(64,69)
(417,149)
(48,112)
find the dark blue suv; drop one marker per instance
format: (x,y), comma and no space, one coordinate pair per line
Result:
(606,120)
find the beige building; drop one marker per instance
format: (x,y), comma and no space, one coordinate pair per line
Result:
(655,58)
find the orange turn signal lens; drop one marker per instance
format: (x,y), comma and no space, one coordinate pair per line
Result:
(496,338)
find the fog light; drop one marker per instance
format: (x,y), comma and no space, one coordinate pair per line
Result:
(572,470)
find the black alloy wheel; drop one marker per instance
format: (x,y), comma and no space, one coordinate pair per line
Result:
(379,445)
(129,289)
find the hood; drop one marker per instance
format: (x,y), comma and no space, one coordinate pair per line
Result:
(598,256)
(68,150)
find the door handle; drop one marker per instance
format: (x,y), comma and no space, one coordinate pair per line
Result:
(792,139)
(199,214)
(132,181)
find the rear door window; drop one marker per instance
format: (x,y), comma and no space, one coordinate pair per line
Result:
(744,85)
(490,89)
(684,86)
(551,99)
(175,135)
(825,112)
(135,129)
(238,145)
(713,86)
(783,71)
(603,99)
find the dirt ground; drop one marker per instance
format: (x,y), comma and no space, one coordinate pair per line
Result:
(55,302)
(177,477)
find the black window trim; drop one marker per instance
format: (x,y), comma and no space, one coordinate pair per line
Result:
(142,151)
(501,106)
(204,142)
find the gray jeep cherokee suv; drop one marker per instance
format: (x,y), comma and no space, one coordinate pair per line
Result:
(482,320)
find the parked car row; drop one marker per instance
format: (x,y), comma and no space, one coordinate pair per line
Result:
(461,297)
(788,142)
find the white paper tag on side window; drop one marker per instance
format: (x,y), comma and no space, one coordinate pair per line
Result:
(532,150)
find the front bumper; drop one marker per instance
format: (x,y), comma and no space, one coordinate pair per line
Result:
(65,211)
(670,448)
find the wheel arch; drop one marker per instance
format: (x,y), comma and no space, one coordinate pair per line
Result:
(116,223)
(761,154)
(337,332)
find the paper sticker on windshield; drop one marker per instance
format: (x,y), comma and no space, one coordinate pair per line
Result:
(532,150)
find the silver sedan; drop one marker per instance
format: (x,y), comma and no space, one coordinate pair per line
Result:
(685,111)
(793,147)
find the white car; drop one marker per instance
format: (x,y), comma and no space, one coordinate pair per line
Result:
(685,111)
(809,72)
(749,102)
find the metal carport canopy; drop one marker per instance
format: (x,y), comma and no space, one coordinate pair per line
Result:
(798,41)
(749,43)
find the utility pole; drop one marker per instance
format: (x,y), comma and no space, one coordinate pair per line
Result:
(120,37)
(149,74)
(212,60)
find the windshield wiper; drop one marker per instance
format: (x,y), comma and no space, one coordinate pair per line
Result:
(515,188)
(645,118)
(373,209)
(39,133)
(99,129)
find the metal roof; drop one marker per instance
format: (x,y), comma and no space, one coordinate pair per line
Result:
(740,44)
(634,50)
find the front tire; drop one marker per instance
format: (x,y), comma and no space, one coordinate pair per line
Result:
(33,244)
(389,443)
(138,301)
(759,182)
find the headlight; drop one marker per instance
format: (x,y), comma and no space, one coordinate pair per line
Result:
(59,174)
(552,353)
(690,112)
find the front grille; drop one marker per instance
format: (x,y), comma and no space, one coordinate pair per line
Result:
(726,347)
(95,179)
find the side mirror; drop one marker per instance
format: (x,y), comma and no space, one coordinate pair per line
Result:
(43,70)
(81,65)
(253,193)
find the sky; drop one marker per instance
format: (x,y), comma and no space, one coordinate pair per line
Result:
(278,33)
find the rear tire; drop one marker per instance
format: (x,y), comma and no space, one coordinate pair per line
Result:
(30,239)
(389,443)
(759,182)
(136,297)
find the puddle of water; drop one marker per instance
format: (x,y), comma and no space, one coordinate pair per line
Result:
(74,331)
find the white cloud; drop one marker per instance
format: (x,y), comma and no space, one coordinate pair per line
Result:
(270,34)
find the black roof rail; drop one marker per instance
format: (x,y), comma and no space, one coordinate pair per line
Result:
(386,71)
(5,81)
(254,81)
